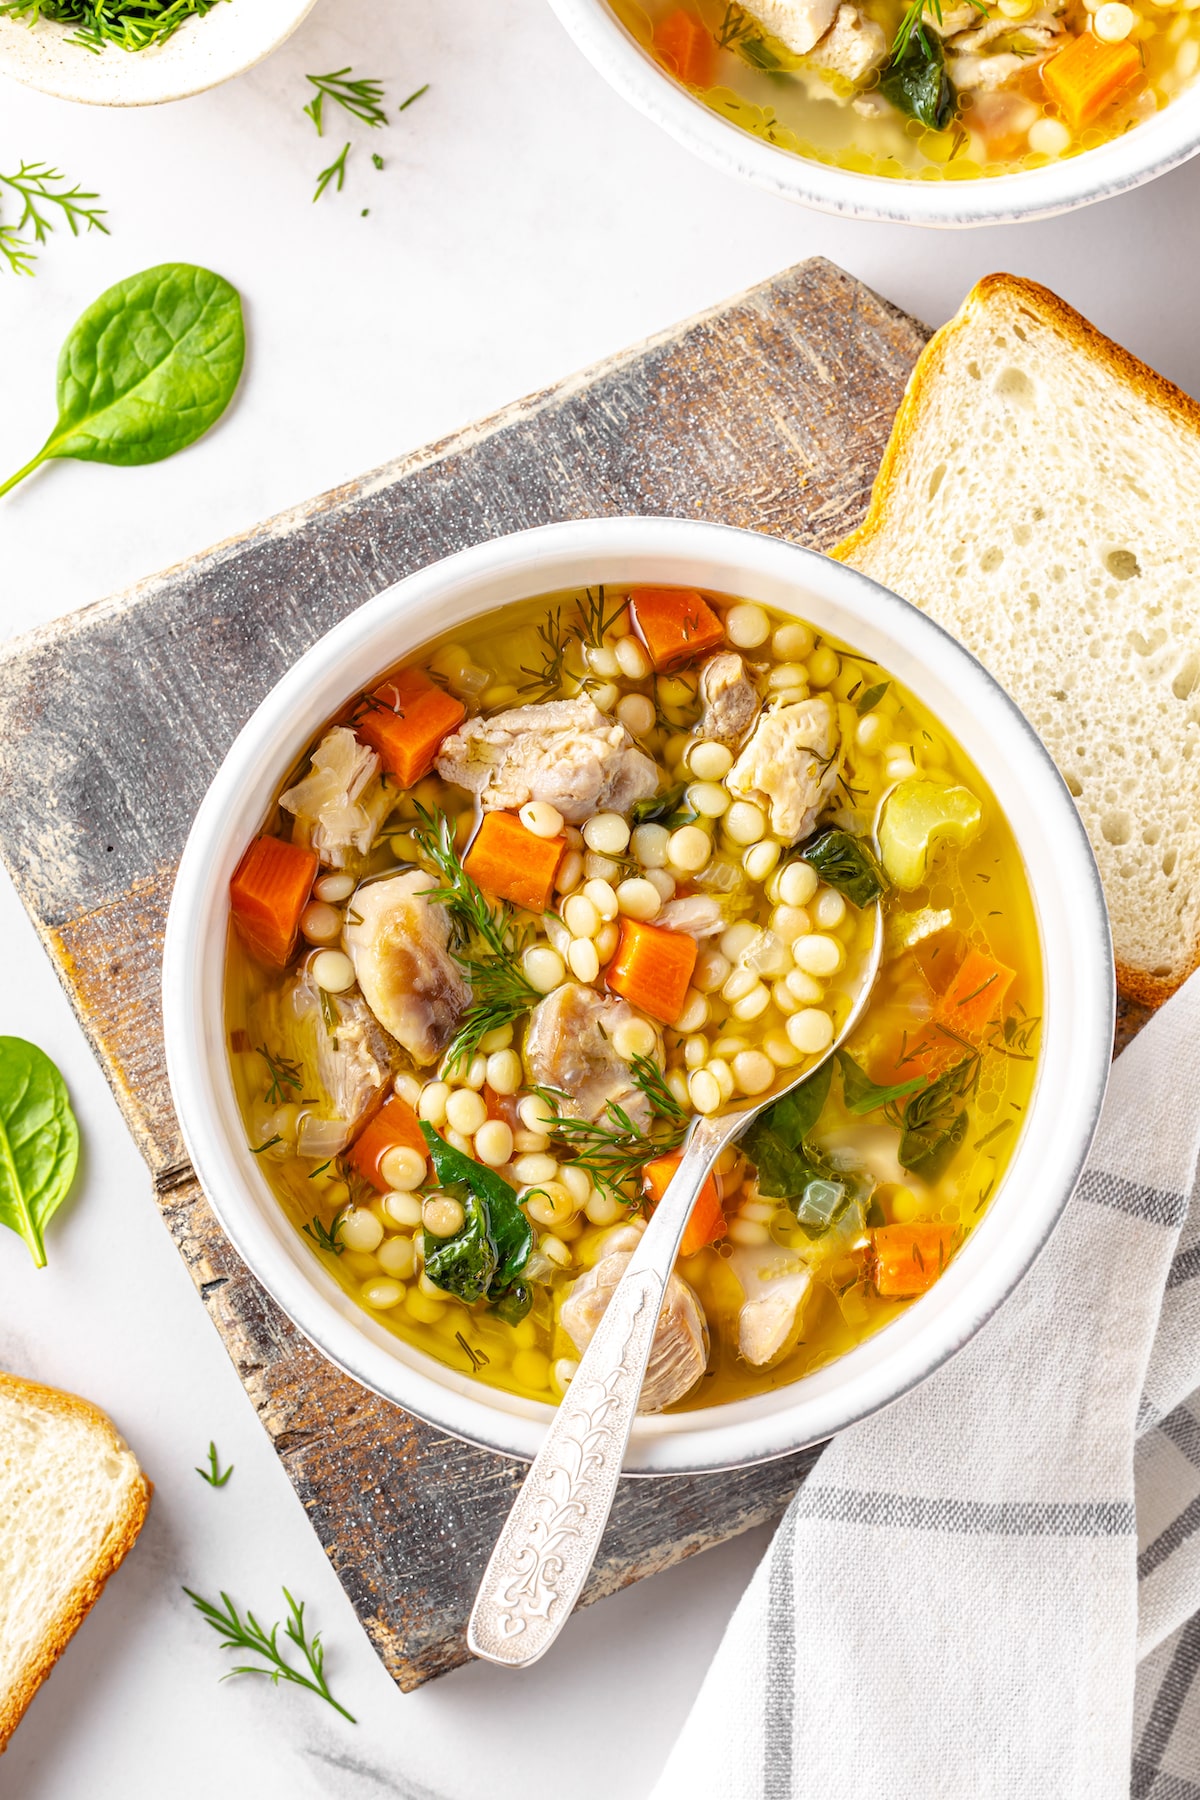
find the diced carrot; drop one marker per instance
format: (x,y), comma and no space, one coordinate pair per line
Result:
(707,1222)
(269,891)
(395,1126)
(652,968)
(975,995)
(507,860)
(909,1258)
(407,719)
(1082,79)
(676,624)
(683,43)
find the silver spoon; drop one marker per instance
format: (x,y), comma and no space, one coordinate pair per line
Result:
(550,1538)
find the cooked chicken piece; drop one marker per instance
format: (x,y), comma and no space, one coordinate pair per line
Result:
(408,977)
(353,1057)
(984,73)
(796,23)
(569,1046)
(790,765)
(954,18)
(680,1349)
(776,1283)
(699,915)
(730,699)
(567,752)
(1033,33)
(852,47)
(341,803)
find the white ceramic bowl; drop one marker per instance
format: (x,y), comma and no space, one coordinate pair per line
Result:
(202,53)
(1168,138)
(1071,919)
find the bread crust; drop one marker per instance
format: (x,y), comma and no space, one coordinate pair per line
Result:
(1136,984)
(119,1540)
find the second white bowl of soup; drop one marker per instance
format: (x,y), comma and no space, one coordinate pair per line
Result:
(976,112)
(475,920)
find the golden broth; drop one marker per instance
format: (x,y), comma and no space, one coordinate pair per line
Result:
(973,898)
(989,133)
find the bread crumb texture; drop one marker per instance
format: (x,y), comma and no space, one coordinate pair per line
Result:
(72,1501)
(1038,498)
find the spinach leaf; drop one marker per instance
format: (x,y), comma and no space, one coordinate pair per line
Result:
(39,1142)
(513,1303)
(776,1142)
(862,1095)
(146,369)
(848,864)
(492,1248)
(916,83)
(935,1122)
(870,700)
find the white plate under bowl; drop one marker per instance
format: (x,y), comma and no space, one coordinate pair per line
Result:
(1168,138)
(1072,923)
(202,53)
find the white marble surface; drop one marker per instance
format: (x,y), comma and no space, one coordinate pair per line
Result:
(526,223)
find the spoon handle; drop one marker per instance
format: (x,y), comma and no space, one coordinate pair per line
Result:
(550,1538)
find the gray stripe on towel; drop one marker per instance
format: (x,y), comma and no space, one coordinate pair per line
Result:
(1164,1716)
(1186,1267)
(978,1518)
(780,1699)
(1169,1541)
(1160,1206)
(1183,1429)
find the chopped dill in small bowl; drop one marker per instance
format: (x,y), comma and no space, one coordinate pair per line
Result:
(129,24)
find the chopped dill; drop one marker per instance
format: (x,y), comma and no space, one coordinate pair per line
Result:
(284,1073)
(613,1154)
(405,104)
(359,95)
(594,621)
(547,679)
(335,173)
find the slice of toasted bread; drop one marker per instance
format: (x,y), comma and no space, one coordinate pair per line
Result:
(72,1501)
(1038,498)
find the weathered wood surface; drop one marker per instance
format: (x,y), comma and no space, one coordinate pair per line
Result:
(770,412)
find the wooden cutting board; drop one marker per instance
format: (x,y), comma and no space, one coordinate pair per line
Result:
(772,412)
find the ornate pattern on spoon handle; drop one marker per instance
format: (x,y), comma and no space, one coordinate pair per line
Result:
(545,1551)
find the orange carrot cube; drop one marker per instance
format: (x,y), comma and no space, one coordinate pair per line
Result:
(1085,77)
(395,1126)
(975,996)
(514,864)
(652,969)
(407,719)
(687,48)
(268,893)
(909,1258)
(676,625)
(707,1222)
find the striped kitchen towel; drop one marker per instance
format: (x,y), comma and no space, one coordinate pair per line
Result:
(991,1591)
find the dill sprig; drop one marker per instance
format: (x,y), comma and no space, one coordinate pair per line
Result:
(488,941)
(595,622)
(127,24)
(649,1077)
(359,95)
(41,187)
(613,1154)
(405,104)
(336,173)
(284,1074)
(214,1474)
(325,1237)
(914,22)
(237,1633)
(554,643)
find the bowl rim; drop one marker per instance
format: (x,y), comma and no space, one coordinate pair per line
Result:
(202,54)
(1157,145)
(1078,1027)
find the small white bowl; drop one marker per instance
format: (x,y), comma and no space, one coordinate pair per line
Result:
(1152,148)
(201,54)
(1076,955)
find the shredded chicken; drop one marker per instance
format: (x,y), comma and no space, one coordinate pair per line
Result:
(776,1283)
(341,803)
(680,1349)
(408,977)
(790,765)
(852,47)
(569,1046)
(953,18)
(699,915)
(796,23)
(566,752)
(730,699)
(984,73)
(1033,33)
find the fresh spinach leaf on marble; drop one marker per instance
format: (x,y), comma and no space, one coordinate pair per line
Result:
(39,1142)
(146,369)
